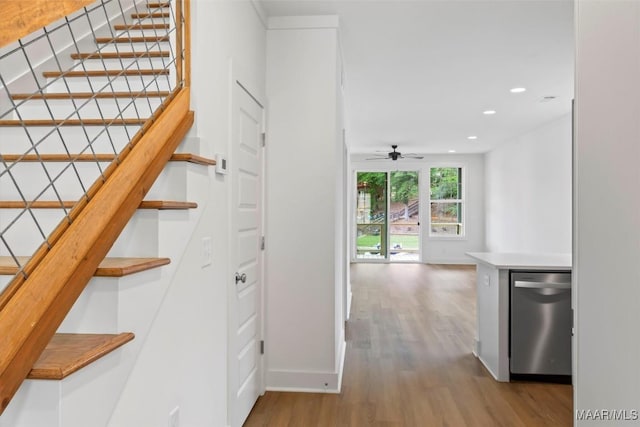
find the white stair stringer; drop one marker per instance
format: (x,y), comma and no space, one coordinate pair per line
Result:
(110,305)
(173,239)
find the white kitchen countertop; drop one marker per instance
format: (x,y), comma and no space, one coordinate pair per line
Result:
(520,261)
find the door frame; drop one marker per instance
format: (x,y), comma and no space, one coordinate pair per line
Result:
(236,83)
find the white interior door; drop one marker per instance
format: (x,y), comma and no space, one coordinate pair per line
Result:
(245,294)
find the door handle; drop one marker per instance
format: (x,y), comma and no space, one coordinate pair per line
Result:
(241,278)
(541,285)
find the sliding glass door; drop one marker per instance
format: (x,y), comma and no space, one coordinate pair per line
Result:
(404,216)
(388,216)
(371,215)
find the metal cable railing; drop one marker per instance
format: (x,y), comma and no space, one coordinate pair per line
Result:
(72,96)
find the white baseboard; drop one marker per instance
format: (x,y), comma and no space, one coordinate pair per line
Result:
(343,353)
(488,368)
(307,381)
(502,379)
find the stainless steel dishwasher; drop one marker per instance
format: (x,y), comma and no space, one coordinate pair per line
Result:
(541,320)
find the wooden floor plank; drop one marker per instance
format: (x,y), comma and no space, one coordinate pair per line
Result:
(67,353)
(109,267)
(409,362)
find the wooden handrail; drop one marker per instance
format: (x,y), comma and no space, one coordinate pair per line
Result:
(21,18)
(38,307)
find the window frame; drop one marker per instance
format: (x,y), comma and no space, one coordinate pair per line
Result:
(461,200)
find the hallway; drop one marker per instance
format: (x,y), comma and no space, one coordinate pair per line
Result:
(409,362)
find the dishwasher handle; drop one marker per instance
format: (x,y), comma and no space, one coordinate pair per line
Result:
(532,284)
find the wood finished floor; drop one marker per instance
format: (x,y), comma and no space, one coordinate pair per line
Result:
(409,362)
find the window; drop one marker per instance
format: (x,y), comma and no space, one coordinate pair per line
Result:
(446,202)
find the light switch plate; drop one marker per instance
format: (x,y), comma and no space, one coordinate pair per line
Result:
(206,254)
(222,165)
(174,417)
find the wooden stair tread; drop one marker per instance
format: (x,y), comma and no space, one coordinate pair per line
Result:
(105,73)
(68,204)
(132,39)
(118,55)
(109,267)
(69,122)
(176,157)
(68,353)
(121,27)
(86,95)
(193,158)
(145,15)
(157,5)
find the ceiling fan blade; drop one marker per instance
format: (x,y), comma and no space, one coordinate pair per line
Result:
(412,156)
(378,158)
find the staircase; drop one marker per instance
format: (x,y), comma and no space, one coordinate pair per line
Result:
(66,149)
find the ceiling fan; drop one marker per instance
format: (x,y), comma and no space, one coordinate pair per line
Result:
(395,155)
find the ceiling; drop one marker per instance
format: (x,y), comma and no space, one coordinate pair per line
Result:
(421,73)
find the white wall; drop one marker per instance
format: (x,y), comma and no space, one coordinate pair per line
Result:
(303,205)
(528,192)
(439,250)
(183,361)
(607,215)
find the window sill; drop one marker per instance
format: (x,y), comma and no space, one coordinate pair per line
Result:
(448,238)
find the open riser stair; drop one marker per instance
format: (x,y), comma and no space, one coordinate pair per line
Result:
(119,299)
(59,134)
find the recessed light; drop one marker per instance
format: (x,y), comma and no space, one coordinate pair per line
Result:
(489,112)
(472,137)
(452,151)
(518,90)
